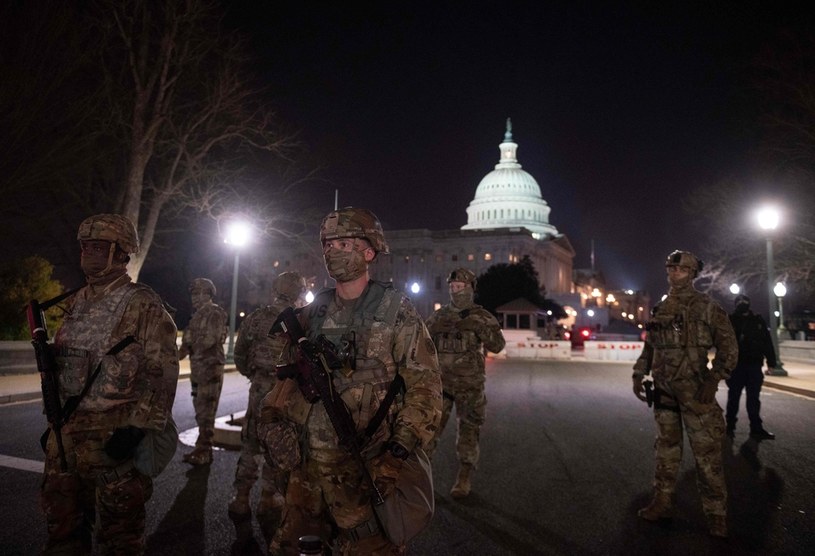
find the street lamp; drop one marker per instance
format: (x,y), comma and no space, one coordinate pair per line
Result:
(768,218)
(780,290)
(237,234)
(735,289)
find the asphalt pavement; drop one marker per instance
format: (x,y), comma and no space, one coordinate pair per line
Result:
(26,386)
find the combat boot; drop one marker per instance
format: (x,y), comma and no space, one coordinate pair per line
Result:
(239,506)
(270,502)
(199,456)
(717,526)
(462,487)
(661,507)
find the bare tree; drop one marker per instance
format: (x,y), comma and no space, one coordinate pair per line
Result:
(736,248)
(179,99)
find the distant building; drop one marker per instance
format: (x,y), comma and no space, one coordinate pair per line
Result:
(506,220)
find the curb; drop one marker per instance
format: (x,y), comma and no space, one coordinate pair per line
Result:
(792,389)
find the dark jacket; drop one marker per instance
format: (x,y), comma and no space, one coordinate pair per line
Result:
(755,343)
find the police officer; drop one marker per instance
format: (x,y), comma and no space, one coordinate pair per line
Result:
(682,329)
(119,328)
(378,335)
(755,345)
(256,357)
(462,331)
(203,341)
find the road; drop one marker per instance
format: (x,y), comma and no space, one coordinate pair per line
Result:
(566,461)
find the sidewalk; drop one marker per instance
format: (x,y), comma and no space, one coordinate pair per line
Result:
(22,387)
(26,386)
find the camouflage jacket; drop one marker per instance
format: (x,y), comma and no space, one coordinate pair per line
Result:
(134,387)
(461,336)
(378,335)
(255,351)
(681,331)
(203,339)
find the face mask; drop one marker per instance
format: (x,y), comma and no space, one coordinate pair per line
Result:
(742,308)
(462,299)
(677,282)
(99,265)
(345,266)
(199,300)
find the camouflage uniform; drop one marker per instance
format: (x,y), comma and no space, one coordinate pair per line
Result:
(203,341)
(462,331)
(683,328)
(135,388)
(256,357)
(379,335)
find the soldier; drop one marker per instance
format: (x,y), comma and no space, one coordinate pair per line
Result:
(379,336)
(755,344)
(461,331)
(120,329)
(256,356)
(203,341)
(681,331)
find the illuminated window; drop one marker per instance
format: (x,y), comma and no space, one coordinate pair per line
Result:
(470,257)
(276,264)
(487,256)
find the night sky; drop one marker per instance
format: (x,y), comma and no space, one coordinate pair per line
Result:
(619,112)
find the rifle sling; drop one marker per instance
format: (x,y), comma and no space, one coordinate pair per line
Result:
(73,402)
(397,385)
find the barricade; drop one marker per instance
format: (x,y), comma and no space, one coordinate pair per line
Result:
(613,350)
(536,348)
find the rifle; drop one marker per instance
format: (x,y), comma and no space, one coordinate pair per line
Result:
(315,364)
(47,367)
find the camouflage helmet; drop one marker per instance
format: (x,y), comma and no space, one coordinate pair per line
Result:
(354,222)
(289,286)
(685,259)
(202,284)
(110,227)
(462,275)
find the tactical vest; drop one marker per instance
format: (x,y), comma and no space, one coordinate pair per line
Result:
(82,341)
(200,326)
(264,351)
(367,339)
(678,325)
(365,345)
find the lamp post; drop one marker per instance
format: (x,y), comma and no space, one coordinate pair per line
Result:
(780,290)
(768,218)
(735,289)
(237,234)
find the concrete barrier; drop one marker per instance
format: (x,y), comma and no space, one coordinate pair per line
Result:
(535,348)
(797,350)
(613,351)
(17,358)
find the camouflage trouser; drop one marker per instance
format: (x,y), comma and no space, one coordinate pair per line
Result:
(471,408)
(246,473)
(205,396)
(327,500)
(704,424)
(71,500)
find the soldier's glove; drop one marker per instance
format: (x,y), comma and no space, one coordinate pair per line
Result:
(123,442)
(707,391)
(385,468)
(639,389)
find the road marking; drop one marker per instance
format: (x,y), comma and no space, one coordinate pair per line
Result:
(22,464)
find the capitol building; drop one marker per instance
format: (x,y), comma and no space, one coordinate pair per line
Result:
(506,220)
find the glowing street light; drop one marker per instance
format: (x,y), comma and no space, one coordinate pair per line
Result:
(780,290)
(735,289)
(768,219)
(309,296)
(415,288)
(237,233)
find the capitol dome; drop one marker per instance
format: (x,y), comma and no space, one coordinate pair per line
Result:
(509,197)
